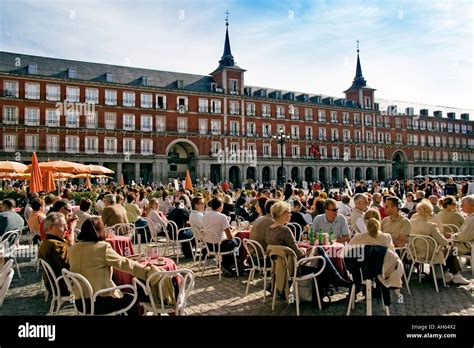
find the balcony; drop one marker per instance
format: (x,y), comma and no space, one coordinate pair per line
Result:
(266,114)
(10,120)
(10,93)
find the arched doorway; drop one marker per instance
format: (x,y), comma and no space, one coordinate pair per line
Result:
(295,174)
(281,175)
(358,174)
(369,174)
(399,165)
(266,175)
(234,176)
(251,174)
(309,174)
(381,174)
(346,173)
(182,155)
(335,177)
(323,175)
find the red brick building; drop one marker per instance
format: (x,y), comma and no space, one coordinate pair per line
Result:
(154,125)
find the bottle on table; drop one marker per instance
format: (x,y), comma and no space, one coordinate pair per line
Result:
(320,236)
(311,236)
(331,235)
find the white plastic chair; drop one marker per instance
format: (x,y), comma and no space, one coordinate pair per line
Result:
(451,228)
(403,252)
(9,243)
(295,229)
(468,256)
(258,262)
(209,237)
(185,280)
(311,276)
(5,281)
(56,299)
(290,256)
(124,229)
(432,248)
(78,282)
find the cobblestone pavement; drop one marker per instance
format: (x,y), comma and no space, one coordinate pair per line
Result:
(227,297)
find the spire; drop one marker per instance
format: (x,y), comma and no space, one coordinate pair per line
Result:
(227,58)
(359,80)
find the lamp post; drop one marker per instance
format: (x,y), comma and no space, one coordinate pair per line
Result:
(281,138)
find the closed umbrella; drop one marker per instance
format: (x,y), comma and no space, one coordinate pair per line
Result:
(49,184)
(122,181)
(36,180)
(188,184)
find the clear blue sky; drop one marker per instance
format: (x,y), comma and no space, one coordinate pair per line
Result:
(420,51)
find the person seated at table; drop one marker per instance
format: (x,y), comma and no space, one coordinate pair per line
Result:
(421,225)
(297,217)
(157,217)
(260,226)
(49,200)
(133,211)
(279,234)
(180,215)
(229,209)
(9,219)
(450,214)
(465,236)
(217,228)
(197,213)
(344,207)
(374,234)
(36,217)
(242,211)
(433,218)
(361,202)
(398,226)
(83,212)
(99,204)
(331,219)
(95,259)
(113,213)
(28,209)
(54,248)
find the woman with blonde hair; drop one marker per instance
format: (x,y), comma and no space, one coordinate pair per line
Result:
(374,234)
(450,214)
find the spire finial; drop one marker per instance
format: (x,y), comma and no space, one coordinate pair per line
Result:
(227,18)
(357,45)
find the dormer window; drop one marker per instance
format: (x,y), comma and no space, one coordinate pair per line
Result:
(72,73)
(109,77)
(32,69)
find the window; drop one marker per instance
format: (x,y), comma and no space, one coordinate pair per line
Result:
(356,119)
(53,92)
(250,129)
(203,126)
(72,144)
(324,152)
(215,147)
(91,120)
(52,143)
(128,99)
(279,151)
(456,128)
(92,96)
(182,104)
(429,126)
(32,117)
(110,146)
(91,145)
(415,140)
(32,91)
(346,135)
(11,89)
(234,128)
(9,142)
(308,114)
(335,152)
(280,111)
(430,140)
(294,112)
(358,136)
(358,153)
(266,110)
(203,105)
(267,150)
(295,151)
(215,106)
(368,137)
(146,123)
(31,142)
(322,133)
(110,97)
(334,117)
(295,132)
(146,146)
(347,154)
(215,127)
(388,138)
(387,122)
(381,154)
(182,124)
(380,137)
(128,146)
(234,86)
(321,116)
(72,119)
(309,133)
(369,154)
(416,155)
(10,115)
(250,109)
(146,100)
(266,130)
(422,125)
(345,118)
(334,134)
(161,102)
(128,122)
(160,123)
(234,108)
(72,94)
(422,140)
(438,141)
(110,120)
(251,149)
(368,120)
(409,123)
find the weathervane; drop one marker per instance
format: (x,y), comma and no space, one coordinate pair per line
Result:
(227,18)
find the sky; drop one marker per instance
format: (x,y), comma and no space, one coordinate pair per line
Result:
(415,51)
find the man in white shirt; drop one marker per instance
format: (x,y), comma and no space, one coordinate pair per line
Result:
(344,208)
(216,229)
(357,216)
(195,218)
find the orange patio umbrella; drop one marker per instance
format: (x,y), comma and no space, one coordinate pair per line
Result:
(96,169)
(64,167)
(36,180)
(122,181)
(12,167)
(188,184)
(49,184)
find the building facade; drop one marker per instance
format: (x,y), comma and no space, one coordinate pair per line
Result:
(151,126)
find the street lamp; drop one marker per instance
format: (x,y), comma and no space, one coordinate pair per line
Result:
(281,138)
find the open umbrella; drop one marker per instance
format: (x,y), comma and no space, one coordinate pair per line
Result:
(188,184)
(49,184)
(64,167)
(96,169)
(12,167)
(36,180)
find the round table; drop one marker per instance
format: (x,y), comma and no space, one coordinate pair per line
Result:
(121,244)
(335,253)
(121,278)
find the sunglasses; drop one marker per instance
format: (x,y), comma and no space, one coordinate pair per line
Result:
(335,209)
(67,209)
